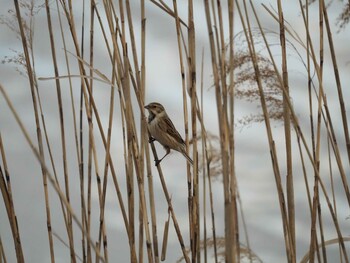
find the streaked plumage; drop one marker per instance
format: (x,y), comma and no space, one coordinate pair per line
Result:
(163,130)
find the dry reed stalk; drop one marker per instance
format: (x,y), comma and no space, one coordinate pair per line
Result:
(102,229)
(124,65)
(143,137)
(311,124)
(331,177)
(331,131)
(312,130)
(300,133)
(287,131)
(85,212)
(6,183)
(231,94)
(152,201)
(93,155)
(66,245)
(203,160)
(170,206)
(2,253)
(70,90)
(334,144)
(245,229)
(315,202)
(218,61)
(215,26)
(337,79)
(308,194)
(162,5)
(208,159)
(321,96)
(274,160)
(306,257)
(206,162)
(192,91)
(320,220)
(127,75)
(231,253)
(144,133)
(62,130)
(165,238)
(151,192)
(6,191)
(292,33)
(118,72)
(117,78)
(87,94)
(217,89)
(31,78)
(49,148)
(83,202)
(51,178)
(133,45)
(117,61)
(310,111)
(192,205)
(143,207)
(142,198)
(88,257)
(132,142)
(140,95)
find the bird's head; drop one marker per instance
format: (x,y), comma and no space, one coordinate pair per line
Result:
(155,108)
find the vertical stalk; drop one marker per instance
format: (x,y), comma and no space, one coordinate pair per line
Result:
(300,133)
(337,79)
(184,98)
(221,93)
(204,162)
(6,191)
(62,129)
(51,178)
(88,97)
(230,223)
(91,150)
(170,207)
(129,167)
(273,152)
(231,93)
(2,253)
(321,93)
(30,74)
(193,95)
(320,220)
(144,133)
(287,133)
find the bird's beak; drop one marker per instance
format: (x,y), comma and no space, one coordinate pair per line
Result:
(147,107)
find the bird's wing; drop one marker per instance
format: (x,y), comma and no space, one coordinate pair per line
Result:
(168,126)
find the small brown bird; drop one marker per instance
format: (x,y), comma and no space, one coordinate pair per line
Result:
(163,130)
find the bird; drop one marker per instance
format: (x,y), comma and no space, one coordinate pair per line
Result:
(163,130)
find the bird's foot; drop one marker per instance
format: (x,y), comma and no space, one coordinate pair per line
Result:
(157,162)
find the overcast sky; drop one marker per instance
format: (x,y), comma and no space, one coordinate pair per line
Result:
(254,172)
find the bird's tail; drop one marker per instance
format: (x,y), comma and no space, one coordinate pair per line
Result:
(187,157)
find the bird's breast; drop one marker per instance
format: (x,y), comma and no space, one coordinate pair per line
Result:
(157,132)
(152,126)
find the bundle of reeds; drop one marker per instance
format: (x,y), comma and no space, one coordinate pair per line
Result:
(104,147)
